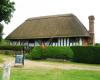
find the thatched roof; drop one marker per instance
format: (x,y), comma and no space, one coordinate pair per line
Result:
(65,25)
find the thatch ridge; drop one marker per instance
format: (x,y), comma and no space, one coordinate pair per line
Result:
(50,16)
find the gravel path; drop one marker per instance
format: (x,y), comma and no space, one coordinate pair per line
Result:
(53,65)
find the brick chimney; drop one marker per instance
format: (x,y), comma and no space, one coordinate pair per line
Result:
(91,29)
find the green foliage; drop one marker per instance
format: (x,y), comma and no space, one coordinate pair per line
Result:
(7,47)
(97,44)
(36,53)
(84,54)
(58,52)
(88,54)
(51,52)
(4,42)
(6,10)
(1,29)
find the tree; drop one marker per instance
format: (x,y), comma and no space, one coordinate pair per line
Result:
(1,29)
(6,10)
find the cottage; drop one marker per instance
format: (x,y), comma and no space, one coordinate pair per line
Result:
(55,30)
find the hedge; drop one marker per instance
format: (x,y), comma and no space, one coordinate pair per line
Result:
(51,52)
(58,52)
(36,53)
(8,47)
(84,54)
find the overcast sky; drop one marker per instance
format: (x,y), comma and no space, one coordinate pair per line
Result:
(33,8)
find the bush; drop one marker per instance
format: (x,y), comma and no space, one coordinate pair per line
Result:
(51,52)
(84,54)
(8,47)
(36,53)
(58,52)
(87,54)
(97,44)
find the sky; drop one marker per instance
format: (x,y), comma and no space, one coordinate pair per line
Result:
(34,8)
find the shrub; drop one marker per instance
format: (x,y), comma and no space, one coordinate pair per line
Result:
(8,47)
(36,53)
(84,54)
(58,52)
(51,52)
(97,44)
(10,50)
(87,54)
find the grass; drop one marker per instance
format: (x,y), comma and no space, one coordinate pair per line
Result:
(53,74)
(1,58)
(0,74)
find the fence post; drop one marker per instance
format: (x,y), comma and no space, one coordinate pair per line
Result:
(6,71)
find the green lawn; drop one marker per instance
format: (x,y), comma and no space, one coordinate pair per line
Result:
(0,74)
(1,58)
(53,74)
